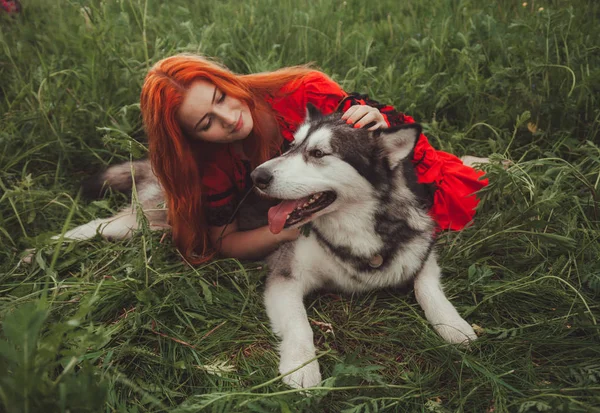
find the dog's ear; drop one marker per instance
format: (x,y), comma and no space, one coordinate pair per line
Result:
(398,142)
(312,113)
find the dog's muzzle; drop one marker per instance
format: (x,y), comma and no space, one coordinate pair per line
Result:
(261,177)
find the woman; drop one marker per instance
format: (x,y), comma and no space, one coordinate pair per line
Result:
(208,128)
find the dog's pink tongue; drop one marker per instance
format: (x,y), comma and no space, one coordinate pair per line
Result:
(278,214)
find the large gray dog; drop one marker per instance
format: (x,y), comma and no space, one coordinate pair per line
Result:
(369,228)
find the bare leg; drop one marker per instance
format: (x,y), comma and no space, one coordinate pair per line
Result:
(472,160)
(118,227)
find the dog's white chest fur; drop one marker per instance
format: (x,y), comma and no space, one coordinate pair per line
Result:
(319,266)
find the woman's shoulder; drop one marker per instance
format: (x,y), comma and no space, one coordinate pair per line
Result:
(290,106)
(315,87)
(313,81)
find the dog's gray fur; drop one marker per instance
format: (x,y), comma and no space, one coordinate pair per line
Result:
(380,211)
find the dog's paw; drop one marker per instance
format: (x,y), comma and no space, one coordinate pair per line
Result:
(456,331)
(307,376)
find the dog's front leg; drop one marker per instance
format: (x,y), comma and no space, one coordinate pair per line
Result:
(283,301)
(438,310)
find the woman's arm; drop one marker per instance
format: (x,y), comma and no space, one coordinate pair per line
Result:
(254,244)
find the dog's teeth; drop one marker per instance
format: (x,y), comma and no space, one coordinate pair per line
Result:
(312,200)
(305,205)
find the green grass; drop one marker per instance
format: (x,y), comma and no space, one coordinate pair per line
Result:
(100,326)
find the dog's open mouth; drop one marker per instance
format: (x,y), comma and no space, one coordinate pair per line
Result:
(293,211)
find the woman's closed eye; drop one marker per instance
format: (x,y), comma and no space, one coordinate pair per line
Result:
(206,125)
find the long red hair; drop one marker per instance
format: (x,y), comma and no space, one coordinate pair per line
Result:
(177,160)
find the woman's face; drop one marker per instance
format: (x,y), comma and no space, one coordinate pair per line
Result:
(210,115)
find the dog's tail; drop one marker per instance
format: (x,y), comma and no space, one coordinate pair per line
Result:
(119,178)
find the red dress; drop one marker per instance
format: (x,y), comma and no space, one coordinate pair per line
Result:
(227,179)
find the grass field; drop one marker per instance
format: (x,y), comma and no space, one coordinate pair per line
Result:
(128,327)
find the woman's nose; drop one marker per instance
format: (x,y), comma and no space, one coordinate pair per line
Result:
(227,116)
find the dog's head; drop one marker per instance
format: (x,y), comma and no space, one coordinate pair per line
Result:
(331,165)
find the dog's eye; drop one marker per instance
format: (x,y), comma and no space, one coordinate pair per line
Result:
(316,153)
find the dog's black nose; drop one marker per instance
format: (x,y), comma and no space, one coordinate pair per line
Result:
(261,178)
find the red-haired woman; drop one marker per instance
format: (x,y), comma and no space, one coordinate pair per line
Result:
(208,128)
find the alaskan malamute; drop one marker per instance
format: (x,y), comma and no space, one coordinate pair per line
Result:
(369,228)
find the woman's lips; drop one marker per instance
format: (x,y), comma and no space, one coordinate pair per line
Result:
(239,124)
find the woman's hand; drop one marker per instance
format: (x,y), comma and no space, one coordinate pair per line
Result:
(288,234)
(362,115)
